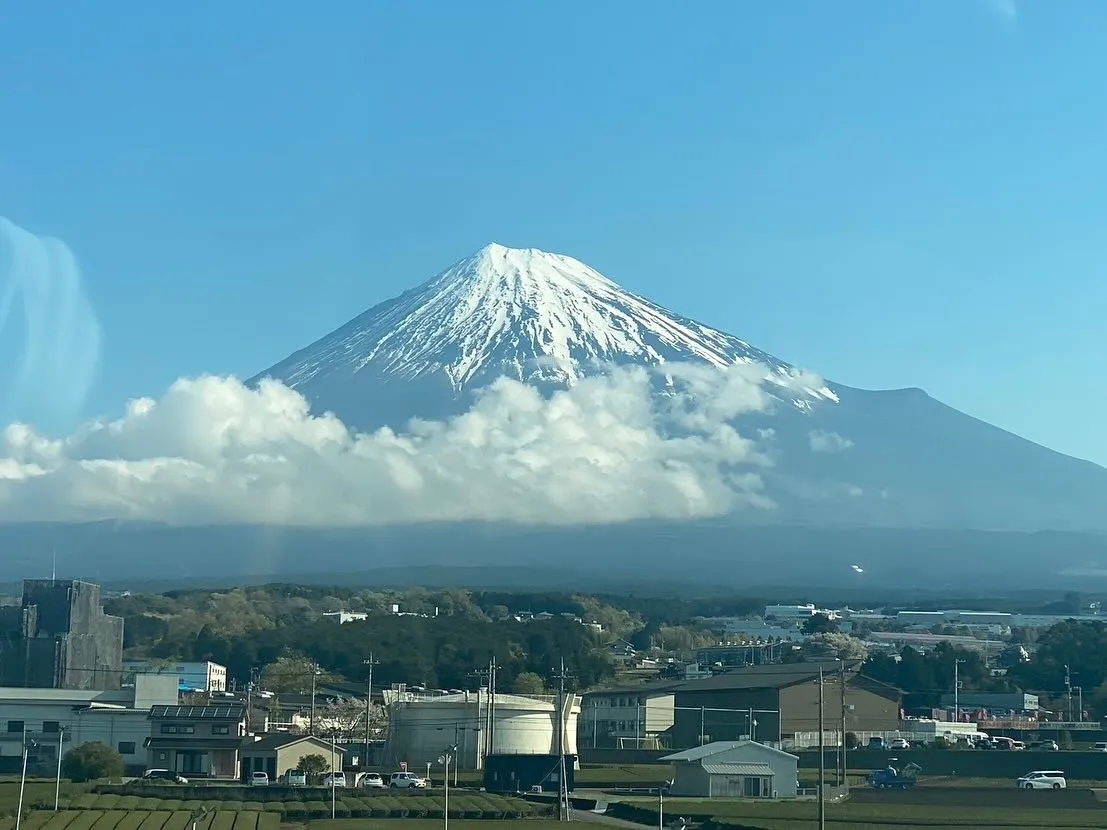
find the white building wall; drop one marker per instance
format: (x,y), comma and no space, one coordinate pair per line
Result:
(124,729)
(206,676)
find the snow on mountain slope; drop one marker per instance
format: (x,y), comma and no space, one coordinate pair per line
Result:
(527,314)
(836,456)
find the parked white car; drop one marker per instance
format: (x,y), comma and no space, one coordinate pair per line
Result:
(259,779)
(1043,780)
(334,779)
(406,781)
(372,781)
(900,743)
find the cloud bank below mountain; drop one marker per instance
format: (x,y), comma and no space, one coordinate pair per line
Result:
(213,450)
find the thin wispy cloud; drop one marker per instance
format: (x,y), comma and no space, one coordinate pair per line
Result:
(1008,10)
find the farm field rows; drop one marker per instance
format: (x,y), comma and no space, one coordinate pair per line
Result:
(349,804)
(143,820)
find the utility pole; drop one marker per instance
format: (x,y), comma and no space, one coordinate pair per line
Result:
(822,756)
(314,675)
(492,706)
(843,781)
(457,743)
(484,676)
(563,811)
(957,690)
(368,705)
(1068,692)
(249,699)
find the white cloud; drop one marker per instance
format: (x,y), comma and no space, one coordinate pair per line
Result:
(824,441)
(49,333)
(212,450)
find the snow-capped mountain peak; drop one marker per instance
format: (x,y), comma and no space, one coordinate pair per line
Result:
(524,313)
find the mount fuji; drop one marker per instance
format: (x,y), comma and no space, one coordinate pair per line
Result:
(840,456)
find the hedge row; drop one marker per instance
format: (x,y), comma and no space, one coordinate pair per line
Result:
(463,805)
(209,792)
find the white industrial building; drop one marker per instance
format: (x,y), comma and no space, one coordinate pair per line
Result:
(734,769)
(422,725)
(202,676)
(72,717)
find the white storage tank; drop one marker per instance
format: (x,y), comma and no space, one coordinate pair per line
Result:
(421,726)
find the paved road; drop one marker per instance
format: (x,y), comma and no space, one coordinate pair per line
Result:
(600,818)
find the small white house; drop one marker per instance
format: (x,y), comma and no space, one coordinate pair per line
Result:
(734,769)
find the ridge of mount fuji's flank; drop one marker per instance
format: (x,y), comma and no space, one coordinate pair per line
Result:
(895,458)
(528,314)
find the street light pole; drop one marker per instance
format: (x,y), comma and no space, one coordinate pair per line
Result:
(334,779)
(446,758)
(822,757)
(58,780)
(22,781)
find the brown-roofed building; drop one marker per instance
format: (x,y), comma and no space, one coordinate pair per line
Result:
(197,741)
(776,701)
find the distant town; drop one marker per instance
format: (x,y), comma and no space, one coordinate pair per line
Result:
(223,684)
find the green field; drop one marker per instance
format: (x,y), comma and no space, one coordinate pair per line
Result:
(37,791)
(794,815)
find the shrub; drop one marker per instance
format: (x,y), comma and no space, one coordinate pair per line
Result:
(91,761)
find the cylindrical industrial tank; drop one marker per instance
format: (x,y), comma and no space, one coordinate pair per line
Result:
(421,726)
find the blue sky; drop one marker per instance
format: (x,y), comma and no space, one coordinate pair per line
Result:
(889,193)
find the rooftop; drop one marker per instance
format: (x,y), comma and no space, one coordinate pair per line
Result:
(765,676)
(230,711)
(699,753)
(270,743)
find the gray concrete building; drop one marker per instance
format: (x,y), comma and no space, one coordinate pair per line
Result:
(60,638)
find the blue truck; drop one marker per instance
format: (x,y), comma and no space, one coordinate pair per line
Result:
(890,778)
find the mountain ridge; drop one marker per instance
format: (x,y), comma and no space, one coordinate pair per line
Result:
(840,454)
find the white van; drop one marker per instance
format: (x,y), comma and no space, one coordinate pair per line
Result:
(1049,779)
